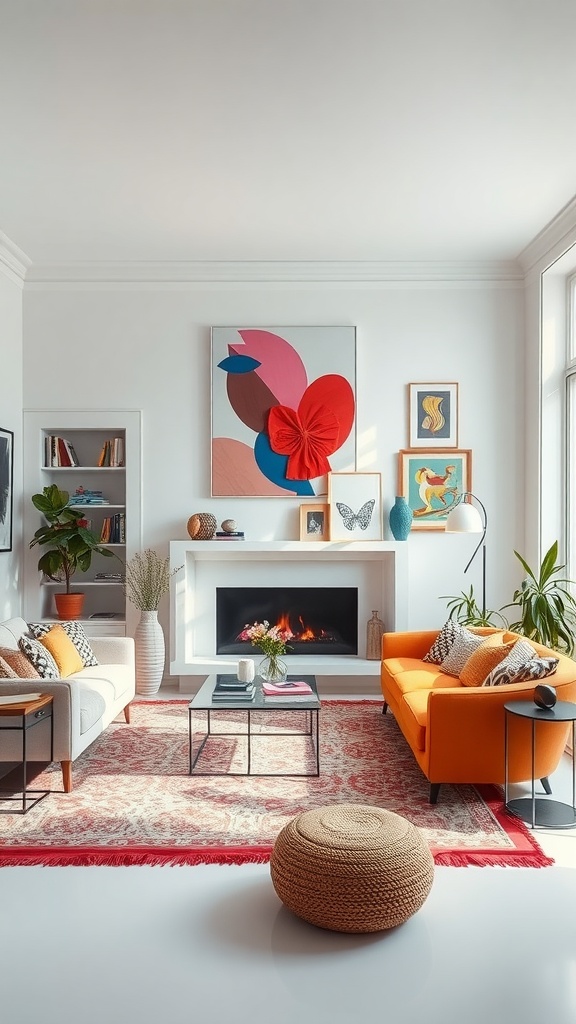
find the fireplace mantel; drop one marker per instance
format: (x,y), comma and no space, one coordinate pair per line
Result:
(378,568)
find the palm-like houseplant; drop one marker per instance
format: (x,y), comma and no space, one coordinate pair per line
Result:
(546,606)
(70,546)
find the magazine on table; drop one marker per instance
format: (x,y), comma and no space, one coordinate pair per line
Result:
(287,688)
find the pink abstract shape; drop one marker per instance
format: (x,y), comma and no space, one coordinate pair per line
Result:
(281,369)
(306,440)
(235,472)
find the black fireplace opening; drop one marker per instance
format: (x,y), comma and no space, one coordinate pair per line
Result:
(323,620)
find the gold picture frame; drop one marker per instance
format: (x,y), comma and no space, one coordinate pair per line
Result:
(314,522)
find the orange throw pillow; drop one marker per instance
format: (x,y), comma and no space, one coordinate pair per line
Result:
(65,654)
(19,664)
(486,657)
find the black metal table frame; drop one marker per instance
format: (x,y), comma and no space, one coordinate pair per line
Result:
(516,807)
(40,715)
(250,736)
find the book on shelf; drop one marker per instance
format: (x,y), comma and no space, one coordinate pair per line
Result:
(229,536)
(58,452)
(106,615)
(112,453)
(223,533)
(287,688)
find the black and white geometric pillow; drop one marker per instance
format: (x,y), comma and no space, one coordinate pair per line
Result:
(507,671)
(75,631)
(444,642)
(41,658)
(536,668)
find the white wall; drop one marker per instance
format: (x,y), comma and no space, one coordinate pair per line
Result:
(148,347)
(11,419)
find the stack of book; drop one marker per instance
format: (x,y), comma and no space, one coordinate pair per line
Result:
(222,535)
(229,688)
(86,496)
(288,689)
(59,452)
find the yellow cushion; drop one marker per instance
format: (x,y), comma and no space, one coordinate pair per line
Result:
(486,657)
(57,641)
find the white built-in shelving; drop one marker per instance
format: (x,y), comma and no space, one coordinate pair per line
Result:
(86,431)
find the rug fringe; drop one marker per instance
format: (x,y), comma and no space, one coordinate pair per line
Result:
(486,860)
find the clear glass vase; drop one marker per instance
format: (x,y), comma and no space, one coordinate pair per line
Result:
(272,669)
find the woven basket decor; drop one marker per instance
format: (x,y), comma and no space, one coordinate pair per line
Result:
(352,868)
(201,526)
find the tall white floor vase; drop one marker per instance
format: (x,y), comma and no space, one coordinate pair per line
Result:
(150,650)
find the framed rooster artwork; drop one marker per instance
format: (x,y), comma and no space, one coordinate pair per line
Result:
(432,482)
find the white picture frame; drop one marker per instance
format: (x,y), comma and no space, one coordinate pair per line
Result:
(355,506)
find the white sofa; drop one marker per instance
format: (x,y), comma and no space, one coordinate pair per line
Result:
(84,703)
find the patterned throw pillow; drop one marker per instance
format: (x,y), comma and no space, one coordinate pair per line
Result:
(75,631)
(6,670)
(464,646)
(444,642)
(506,671)
(41,659)
(537,668)
(18,663)
(486,657)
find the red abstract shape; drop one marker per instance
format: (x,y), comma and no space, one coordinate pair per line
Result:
(316,430)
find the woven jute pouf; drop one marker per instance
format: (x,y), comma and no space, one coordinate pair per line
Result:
(352,868)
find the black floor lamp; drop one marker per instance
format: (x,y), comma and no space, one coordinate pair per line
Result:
(465,518)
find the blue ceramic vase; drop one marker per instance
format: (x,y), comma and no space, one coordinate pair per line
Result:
(400,519)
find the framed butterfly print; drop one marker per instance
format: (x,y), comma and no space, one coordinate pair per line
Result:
(355,504)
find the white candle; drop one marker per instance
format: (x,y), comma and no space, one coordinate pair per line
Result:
(245,670)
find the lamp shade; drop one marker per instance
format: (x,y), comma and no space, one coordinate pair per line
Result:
(465,518)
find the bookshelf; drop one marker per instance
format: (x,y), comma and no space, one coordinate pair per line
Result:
(53,443)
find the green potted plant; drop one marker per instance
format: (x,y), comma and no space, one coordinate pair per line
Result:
(547,608)
(70,546)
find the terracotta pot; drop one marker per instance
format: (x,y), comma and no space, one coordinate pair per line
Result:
(69,606)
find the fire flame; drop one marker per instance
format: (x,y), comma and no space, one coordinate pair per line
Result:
(306,632)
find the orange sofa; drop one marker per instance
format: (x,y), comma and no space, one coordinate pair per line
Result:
(456,732)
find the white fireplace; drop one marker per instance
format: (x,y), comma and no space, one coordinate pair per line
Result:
(379,569)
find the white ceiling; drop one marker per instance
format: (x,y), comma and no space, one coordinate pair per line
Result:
(284,129)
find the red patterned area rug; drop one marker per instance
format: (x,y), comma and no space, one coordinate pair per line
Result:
(134,802)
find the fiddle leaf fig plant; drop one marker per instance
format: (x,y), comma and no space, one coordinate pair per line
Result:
(70,544)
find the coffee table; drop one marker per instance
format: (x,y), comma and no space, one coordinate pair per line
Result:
(308,707)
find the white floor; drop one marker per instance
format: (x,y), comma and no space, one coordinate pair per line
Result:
(212,943)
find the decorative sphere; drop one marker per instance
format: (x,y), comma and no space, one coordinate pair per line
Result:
(228,525)
(544,696)
(201,526)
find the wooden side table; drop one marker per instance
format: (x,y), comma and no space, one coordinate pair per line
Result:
(542,812)
(22,716)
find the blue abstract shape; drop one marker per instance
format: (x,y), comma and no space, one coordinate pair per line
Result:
(274,466)
(239,364)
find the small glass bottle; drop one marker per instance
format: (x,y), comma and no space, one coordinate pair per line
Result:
(374,630)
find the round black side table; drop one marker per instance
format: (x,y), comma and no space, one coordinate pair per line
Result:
(546,813)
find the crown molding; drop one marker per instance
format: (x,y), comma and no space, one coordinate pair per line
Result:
(272,271)
(550,243)
(14,263)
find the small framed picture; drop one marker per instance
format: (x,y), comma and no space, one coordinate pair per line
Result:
(432,483)
(314,522)
(6,488)
(433,415)
(355,501)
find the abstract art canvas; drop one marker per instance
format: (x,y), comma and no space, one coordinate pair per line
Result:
(283,409)
(6,481)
